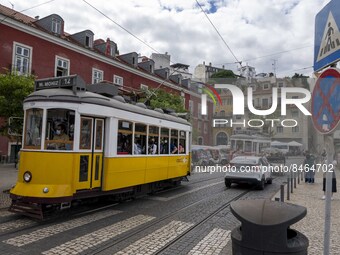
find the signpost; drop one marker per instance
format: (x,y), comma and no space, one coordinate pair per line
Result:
(326,117)
(327,36)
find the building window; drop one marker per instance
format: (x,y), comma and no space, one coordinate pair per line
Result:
(199,113)
(265,102)
(88,40)
(97,75)
(118,80)
(205,127)
(295,114)
(144,87)
(191,106)
(199,126)
(56,26)
(280,84)
(265,86)
(62,67)
(295,129)
(22,59)
(279,129)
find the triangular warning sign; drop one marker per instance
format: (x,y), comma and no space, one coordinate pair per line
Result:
(331,38)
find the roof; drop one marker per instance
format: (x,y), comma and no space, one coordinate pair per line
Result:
(16,15)
(245,159)
(67,95)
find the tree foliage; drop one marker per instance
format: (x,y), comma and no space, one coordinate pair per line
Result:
(158,98)
(224,74)
(13,89)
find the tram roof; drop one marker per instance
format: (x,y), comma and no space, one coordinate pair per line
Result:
(81,96)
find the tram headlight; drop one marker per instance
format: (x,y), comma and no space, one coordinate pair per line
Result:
(27,176)
(46,190)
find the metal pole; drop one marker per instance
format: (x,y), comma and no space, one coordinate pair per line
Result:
(282,193)
(329,144)
(288,183)
(298,179)
(291,182)
(294,180)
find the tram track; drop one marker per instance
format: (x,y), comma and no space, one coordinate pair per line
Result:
(165,217)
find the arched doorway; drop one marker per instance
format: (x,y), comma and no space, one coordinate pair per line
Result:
(221,138)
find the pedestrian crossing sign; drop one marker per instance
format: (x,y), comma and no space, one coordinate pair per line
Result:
(327,36)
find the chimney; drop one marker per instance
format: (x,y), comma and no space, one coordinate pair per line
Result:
(209,63)
(36,17)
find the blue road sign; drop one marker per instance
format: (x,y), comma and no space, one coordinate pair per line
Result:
(326,101)
(327,35)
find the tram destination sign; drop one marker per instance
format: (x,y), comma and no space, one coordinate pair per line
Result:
(71,82)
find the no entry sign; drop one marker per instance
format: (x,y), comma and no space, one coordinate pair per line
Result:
(326,101)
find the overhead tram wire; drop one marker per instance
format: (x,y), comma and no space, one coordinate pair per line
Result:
(127,31)
(225,43)
(269,55)
(30,8)
(133,35)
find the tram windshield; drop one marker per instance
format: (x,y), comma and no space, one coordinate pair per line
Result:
(59,129)
(33,127)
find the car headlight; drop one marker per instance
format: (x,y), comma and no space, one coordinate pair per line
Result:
(27,176)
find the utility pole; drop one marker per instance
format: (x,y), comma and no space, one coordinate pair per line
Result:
(274,66)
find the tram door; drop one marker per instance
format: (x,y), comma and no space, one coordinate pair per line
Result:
(91,153)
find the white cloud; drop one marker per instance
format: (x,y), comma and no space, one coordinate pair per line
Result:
(252,29)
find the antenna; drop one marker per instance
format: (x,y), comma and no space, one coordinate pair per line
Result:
(274,66)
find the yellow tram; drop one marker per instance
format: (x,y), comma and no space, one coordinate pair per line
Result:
(79,144)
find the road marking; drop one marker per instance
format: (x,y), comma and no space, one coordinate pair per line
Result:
(16,224)
(182,194)
(156,240)
(58,228)
(213,243)
(6,213)
(85,242)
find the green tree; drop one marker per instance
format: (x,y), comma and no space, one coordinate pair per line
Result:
(13,89)
(224,74)
(300,78)
(158,98)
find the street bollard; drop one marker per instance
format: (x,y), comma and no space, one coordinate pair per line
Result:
(294,181)
(291,182)
(288,191)
(298,177)
(282,193)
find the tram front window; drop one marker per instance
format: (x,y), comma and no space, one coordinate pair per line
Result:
(59,129)
(33,128)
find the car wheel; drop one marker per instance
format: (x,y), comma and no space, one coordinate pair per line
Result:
(270,181)
(261,184)
(227,183)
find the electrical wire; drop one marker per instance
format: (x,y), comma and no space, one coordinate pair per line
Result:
(27,9)
(225,43)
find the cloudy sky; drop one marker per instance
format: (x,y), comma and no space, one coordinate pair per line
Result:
(263,34)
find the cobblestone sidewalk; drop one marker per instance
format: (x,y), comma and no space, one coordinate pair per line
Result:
(309,195)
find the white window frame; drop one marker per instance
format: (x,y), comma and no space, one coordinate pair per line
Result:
(90,40)
(57,58)
(265,86)
(16,56)
(191,106)
(118,80)
(97,75)
(144,87)
(56,26)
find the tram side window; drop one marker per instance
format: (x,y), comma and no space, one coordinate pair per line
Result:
(139,146)
(153,140)
(124,138)
(174,141)
(182,142)
(85,142)
(59,129)
(164,145)
(33,127)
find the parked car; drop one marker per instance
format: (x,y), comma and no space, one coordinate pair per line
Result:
(224,154)
(248,169)
(199,156)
